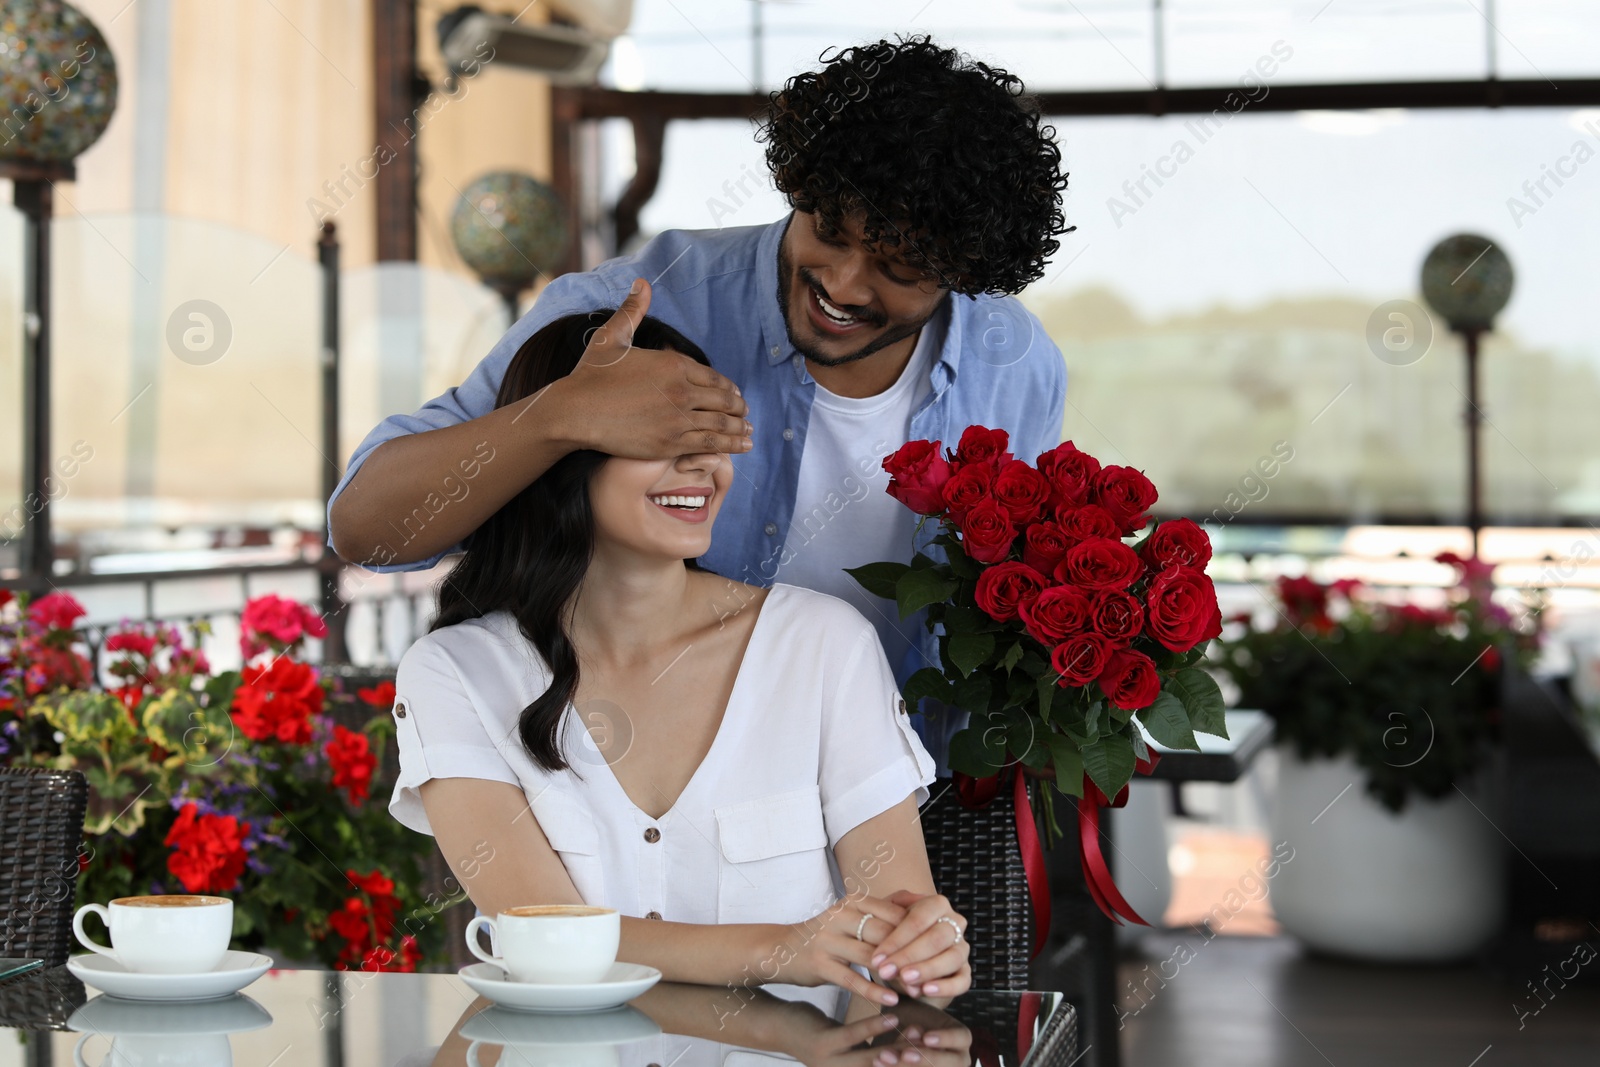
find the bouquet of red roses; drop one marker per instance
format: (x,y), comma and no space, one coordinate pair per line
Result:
(1055,632)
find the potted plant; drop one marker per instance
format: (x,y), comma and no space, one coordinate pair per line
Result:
(233,782)
(1388,725)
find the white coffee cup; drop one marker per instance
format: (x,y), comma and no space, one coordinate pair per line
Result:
(172,934)
(552,944)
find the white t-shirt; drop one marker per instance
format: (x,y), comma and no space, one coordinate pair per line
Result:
(814,742)
(842,515)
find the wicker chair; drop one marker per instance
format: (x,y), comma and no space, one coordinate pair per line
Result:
(1000,1033)
(41,825)
(977,864)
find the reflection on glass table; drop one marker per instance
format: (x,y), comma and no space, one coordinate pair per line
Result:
(307,1017)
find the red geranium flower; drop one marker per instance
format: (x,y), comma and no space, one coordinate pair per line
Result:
(271,618)
(366,923)
(56,611)
(277,701)
(379,696)
(209,850)
(350,755)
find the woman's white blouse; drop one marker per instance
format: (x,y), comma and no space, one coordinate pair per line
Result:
(814,742)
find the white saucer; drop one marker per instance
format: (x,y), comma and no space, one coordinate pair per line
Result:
(237,970)
(111,1016)
(621,984)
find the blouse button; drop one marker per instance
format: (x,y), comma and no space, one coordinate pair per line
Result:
(788,433)
(652,835)
(399,711)
(902,705)
(652,915)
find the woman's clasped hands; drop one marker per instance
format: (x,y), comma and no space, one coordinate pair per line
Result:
(911,942)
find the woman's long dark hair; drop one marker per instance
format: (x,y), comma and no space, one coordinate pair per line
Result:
(529,557)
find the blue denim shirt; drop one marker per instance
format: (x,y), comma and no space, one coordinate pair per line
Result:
(720,289)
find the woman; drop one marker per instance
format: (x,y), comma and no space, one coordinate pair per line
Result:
(737,777)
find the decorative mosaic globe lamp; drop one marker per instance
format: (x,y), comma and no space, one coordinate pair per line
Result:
(58,88)
(1467,280)
(511,229)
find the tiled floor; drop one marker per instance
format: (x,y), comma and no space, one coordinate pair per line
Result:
(1262,1002)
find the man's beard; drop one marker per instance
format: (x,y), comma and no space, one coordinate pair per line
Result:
(899,333)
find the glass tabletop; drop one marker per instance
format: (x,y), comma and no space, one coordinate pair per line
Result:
(357,1019)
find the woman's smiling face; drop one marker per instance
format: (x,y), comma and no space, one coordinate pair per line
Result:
(659,508)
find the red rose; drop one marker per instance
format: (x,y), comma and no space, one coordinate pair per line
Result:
(917,473)
(1181,608)
(979,444)
(966,488)
(1127,494)
(1080,658)
(1022,491)
(1305,601)
(1055,614)
(351,757)
(986,532)
(1100,563)
(1178,542)
(209,856)
(1004,586)
(1129,680)
(1071,474)
(277,701)
(1083,521)
(1043,546)
(1116,616)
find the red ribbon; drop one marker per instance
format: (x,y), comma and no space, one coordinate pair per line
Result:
(977,793)
(1096,874)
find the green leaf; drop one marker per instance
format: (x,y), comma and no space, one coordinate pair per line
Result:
(1012,656)
(921,561)
(1068,762)
(1037,756)
(1168,723)
(972,693)
(969,755)
(1021,734)
(918,587)
(878,578)
(927,682)
(1047,692)
(961,564)
(1201,699)
(967,651)
(1109,763)
(1094,719)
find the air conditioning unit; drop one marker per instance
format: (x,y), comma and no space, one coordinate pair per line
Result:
(567,55)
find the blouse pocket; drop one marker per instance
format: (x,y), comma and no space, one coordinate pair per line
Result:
(774,865)
(571,829)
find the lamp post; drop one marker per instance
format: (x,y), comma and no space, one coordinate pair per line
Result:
(1467,279)
(511,230)
(58,88)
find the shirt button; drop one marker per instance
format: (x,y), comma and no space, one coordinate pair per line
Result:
(774,349)
(902,705)
(652,915)
(399,711)
(771,528)
(788,434)
(652,835)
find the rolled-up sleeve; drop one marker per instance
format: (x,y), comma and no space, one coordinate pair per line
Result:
(438,731)
(871,758)
(474,398)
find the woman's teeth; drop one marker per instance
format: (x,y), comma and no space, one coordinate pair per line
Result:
(692,503)
(833,313)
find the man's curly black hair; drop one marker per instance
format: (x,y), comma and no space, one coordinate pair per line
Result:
(942,158)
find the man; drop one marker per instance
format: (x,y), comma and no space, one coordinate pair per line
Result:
(924,192)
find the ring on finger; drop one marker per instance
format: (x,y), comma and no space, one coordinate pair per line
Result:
(953,925)
(860,926)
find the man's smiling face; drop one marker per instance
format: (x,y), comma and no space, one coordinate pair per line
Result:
(841,301)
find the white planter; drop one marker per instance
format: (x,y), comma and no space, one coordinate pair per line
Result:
(1424,886)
